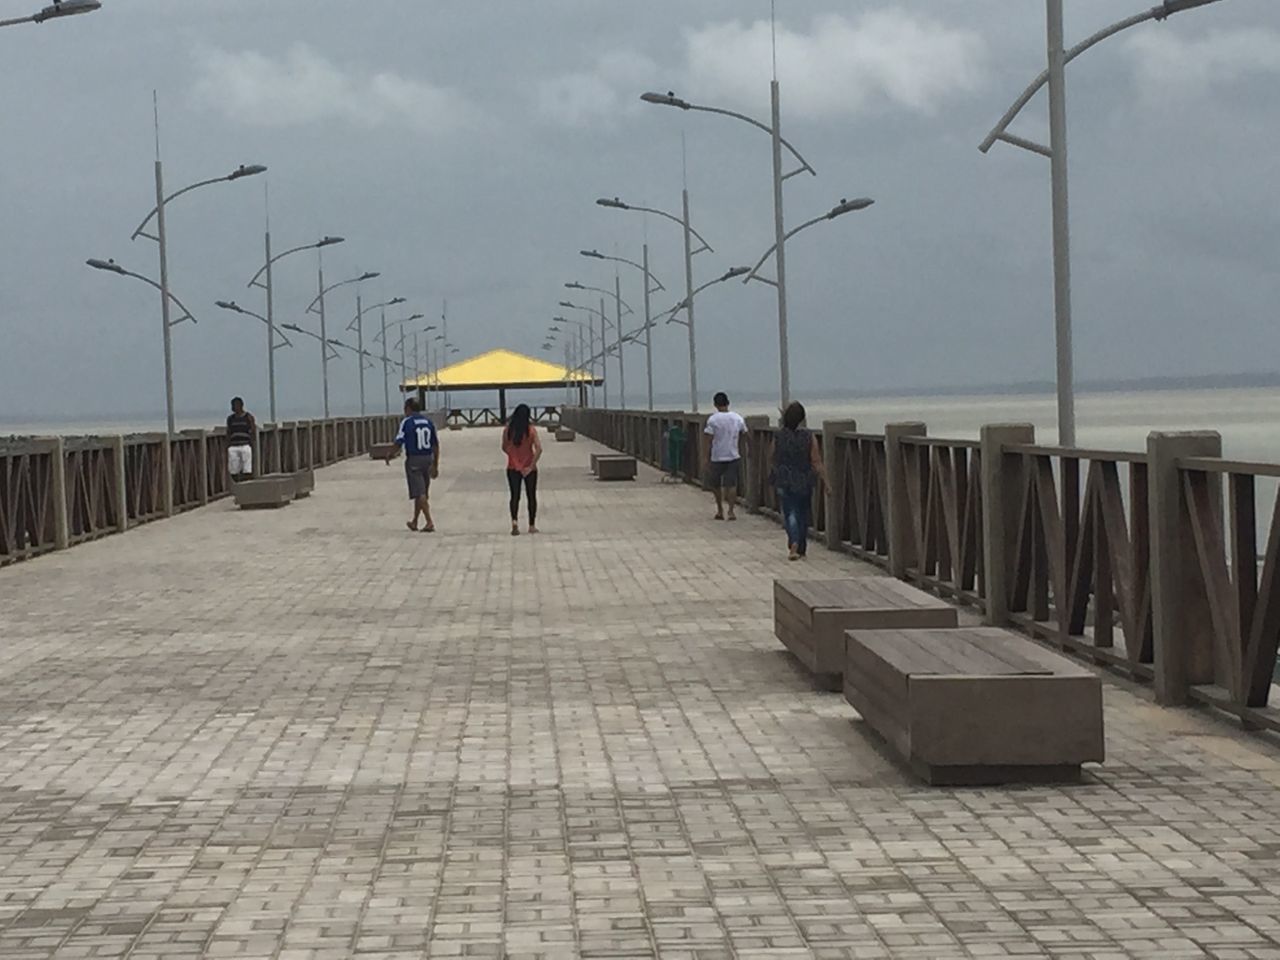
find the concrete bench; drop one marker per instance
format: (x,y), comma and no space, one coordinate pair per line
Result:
(304,482)
(269,492)
(811,616)
(597,457)
(975,705)
(565,435)
(616,467)
(380,451)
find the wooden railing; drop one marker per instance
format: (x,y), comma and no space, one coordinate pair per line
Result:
(27,499)
(61,491)
(942,480)
(1160,565)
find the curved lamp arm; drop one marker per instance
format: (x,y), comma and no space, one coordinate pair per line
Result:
(1000,132)
(671,100)
(377,306)
(242,171)
(601,290)
(326,242)
(311,307)
(730,274)
(112,267)
(591,310)
(234,307)
(597,255)
(399,323)
(617,204)
(332,353)
(839,210)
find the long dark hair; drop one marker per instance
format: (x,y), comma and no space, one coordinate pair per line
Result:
(518,428)
(794,415)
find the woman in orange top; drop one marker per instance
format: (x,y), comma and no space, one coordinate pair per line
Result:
(523,449)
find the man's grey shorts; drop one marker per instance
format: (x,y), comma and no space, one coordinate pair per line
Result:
(725,474)
(417,470)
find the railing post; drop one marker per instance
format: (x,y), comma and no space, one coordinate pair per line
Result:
(752,494)
(61,519)
(203,462)
(120,489)
(1000,492)
(831,430)
(1182,630)
(166,474)
(898,510)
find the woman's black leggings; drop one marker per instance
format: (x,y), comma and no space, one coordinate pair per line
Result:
(531,491)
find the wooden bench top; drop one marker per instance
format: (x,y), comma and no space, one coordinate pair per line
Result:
(860,593)
(963,651)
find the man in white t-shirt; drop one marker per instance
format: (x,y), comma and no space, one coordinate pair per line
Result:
(727,430)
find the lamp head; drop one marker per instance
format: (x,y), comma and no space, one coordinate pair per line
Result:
(293,326)
(250,171)
(593,254)
(416,316)
(615,203)
(668,99)
(566,303)
(849,206)
(735,272)
(66,8)
(575,286)
(109,265)
(368,276)
(229,305)
(330,241)
(396,302)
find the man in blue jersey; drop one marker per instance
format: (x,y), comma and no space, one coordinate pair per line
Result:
(417,436)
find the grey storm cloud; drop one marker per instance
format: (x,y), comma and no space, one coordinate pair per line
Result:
(459,149)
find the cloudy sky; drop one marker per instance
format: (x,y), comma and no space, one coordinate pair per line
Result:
(459,148)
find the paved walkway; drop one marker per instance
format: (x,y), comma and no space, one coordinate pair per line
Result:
(310,734)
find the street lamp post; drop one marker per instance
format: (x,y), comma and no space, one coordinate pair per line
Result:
(357,324)
(1054,76)
(400,344)
(651,286)
(582,353)
(620,304)
(56,10)
(269,288)
(689,253)
(161,238)
(592,313)
(779,219)
(324,335)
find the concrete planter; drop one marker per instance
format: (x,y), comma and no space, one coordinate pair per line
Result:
(269,492)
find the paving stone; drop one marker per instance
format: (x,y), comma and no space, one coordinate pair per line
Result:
(311,734)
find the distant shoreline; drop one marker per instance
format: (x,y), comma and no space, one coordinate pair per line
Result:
(1030,388)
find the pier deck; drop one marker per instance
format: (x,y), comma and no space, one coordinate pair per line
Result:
(312,734)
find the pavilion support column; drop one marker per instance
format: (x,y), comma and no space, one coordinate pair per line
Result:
(502,404)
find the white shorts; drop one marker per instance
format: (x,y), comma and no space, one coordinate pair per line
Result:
(239,460)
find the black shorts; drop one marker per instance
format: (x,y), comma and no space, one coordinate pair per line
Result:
(417,470)
(724,474)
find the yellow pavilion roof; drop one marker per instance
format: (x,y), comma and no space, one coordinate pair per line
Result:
(497,369)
